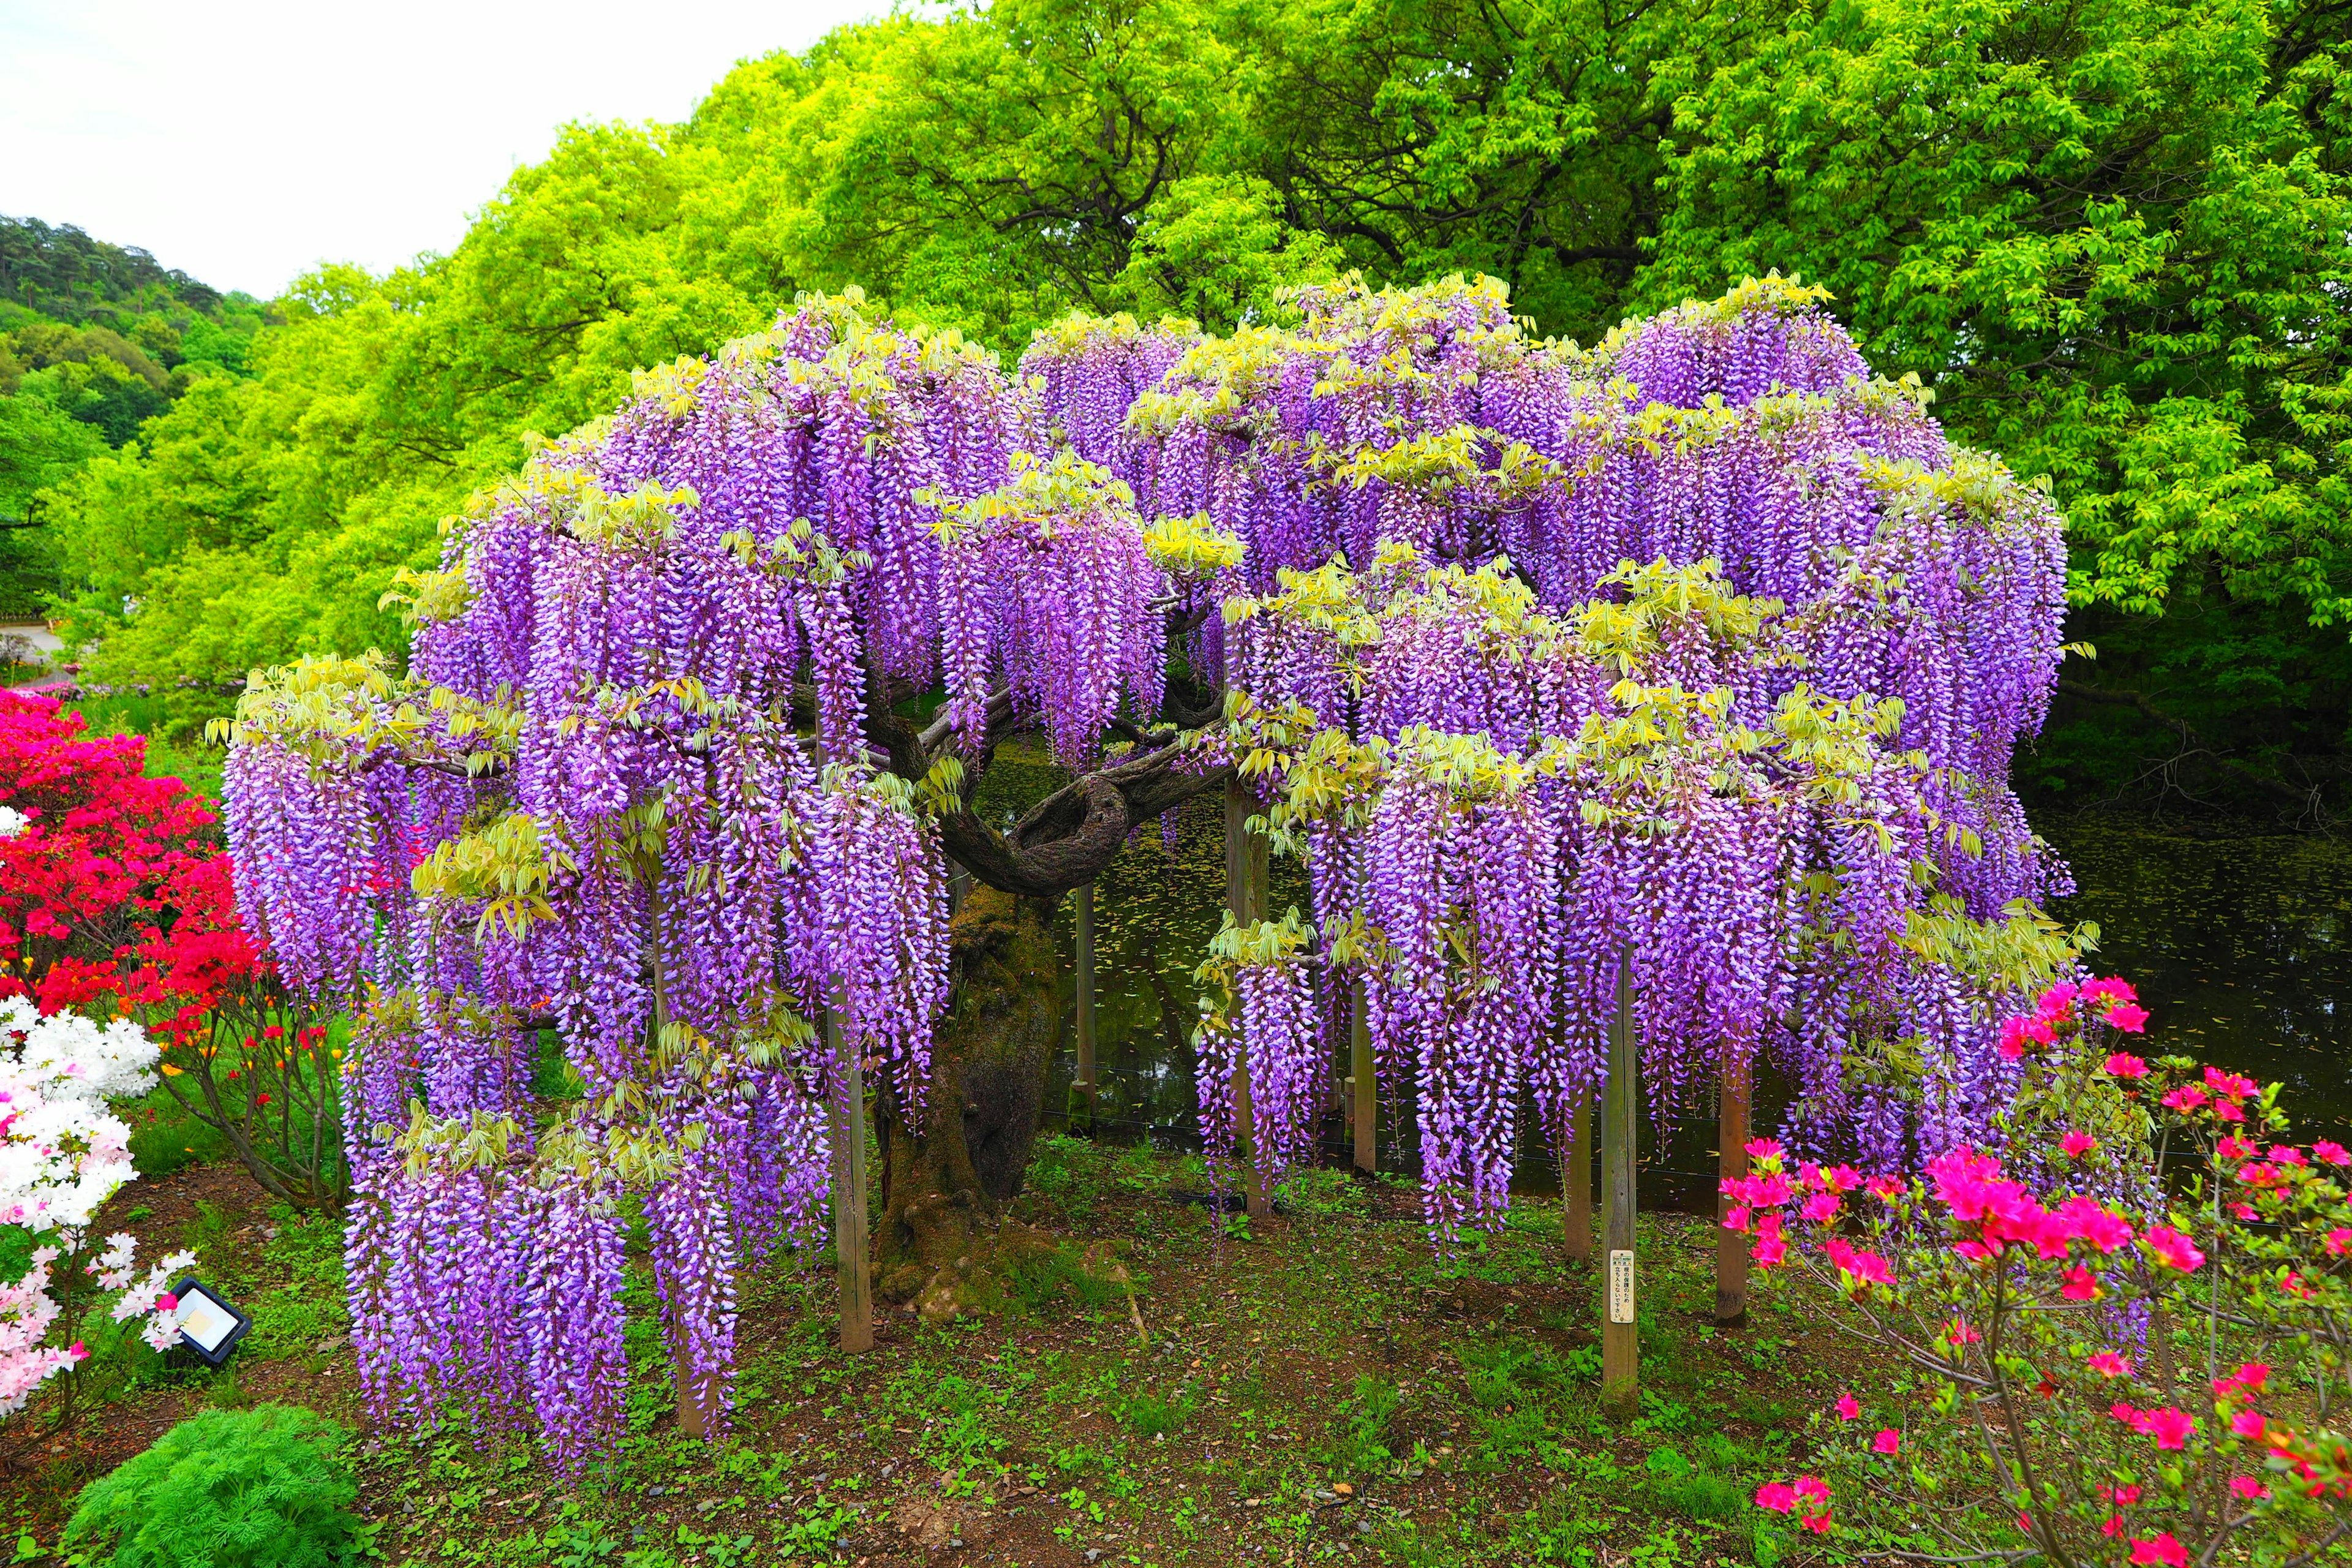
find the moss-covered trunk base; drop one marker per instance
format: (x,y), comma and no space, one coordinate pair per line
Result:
(951,1167)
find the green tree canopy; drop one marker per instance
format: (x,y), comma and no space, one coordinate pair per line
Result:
(2112,239)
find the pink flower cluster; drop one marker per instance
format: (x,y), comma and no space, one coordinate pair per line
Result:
(1808,1498)
(2067,1004)
(2222,1097)
(1819,1191)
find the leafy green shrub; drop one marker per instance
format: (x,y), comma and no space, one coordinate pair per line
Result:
(251,1489)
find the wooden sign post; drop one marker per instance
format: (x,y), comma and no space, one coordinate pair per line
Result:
(1620,1342)
(1364,1103)
(1576,1182)
(1246,873)
(849,1242)
(1731,1247)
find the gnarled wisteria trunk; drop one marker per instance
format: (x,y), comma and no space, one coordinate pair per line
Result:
(955,1160)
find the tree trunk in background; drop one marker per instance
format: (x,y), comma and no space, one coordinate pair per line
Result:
(947,1176)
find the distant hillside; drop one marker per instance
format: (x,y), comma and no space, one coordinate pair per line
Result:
(65,275)
(95,339)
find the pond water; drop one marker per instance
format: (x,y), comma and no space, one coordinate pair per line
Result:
(2240,947)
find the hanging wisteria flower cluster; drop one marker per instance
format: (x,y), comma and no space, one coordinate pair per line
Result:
(1700,642)
(1772,763)
(1050,593)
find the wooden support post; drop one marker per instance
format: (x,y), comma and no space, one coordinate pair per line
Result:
(849,1243)
(1085,1081)
(1246,871)
(1576,1182)
(1365,1101)
(1620,1344)
(1731,1247)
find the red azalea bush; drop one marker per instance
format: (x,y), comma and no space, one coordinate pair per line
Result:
(112,896)
(85,876)
(2098,1364)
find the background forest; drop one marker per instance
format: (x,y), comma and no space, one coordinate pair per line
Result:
(2115,237)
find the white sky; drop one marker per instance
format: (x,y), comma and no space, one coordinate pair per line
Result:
(244,142)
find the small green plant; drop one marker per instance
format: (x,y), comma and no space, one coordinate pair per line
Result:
(1048,1282)
(265,1487)
(1360,1445)
(1693,1490)
(574,1541)
(1150,1416)
(1321,1191)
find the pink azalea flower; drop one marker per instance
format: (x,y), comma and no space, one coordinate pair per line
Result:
(1847,1407)
(1864,1267)
(1819,1523)
(1763,1148)
(1813,1487)
(2078,1144)
(2228,1111)
(2082,1285)
(2123,1496)
(2232,1147)
(1769,1250)
(2162,1549)
(2285,1154)
(2248,1488)
(2172,1428)
(2247,1423)
(2087,1219)
(1821,1207)
(2128,1016)
(2331,1153)
(1888,1441)
(2230,1085)
(1778,1496)
(1736,1217)
(2340,1241)
(1885,1188)
(2112,988)
(2187,1097)
(2107,1363)
(2054,1000)
(2173,1249)
(2122,1065)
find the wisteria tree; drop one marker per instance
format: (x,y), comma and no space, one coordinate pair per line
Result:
(1688,666)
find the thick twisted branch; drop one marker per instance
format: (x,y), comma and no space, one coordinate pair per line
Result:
(1067,839)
